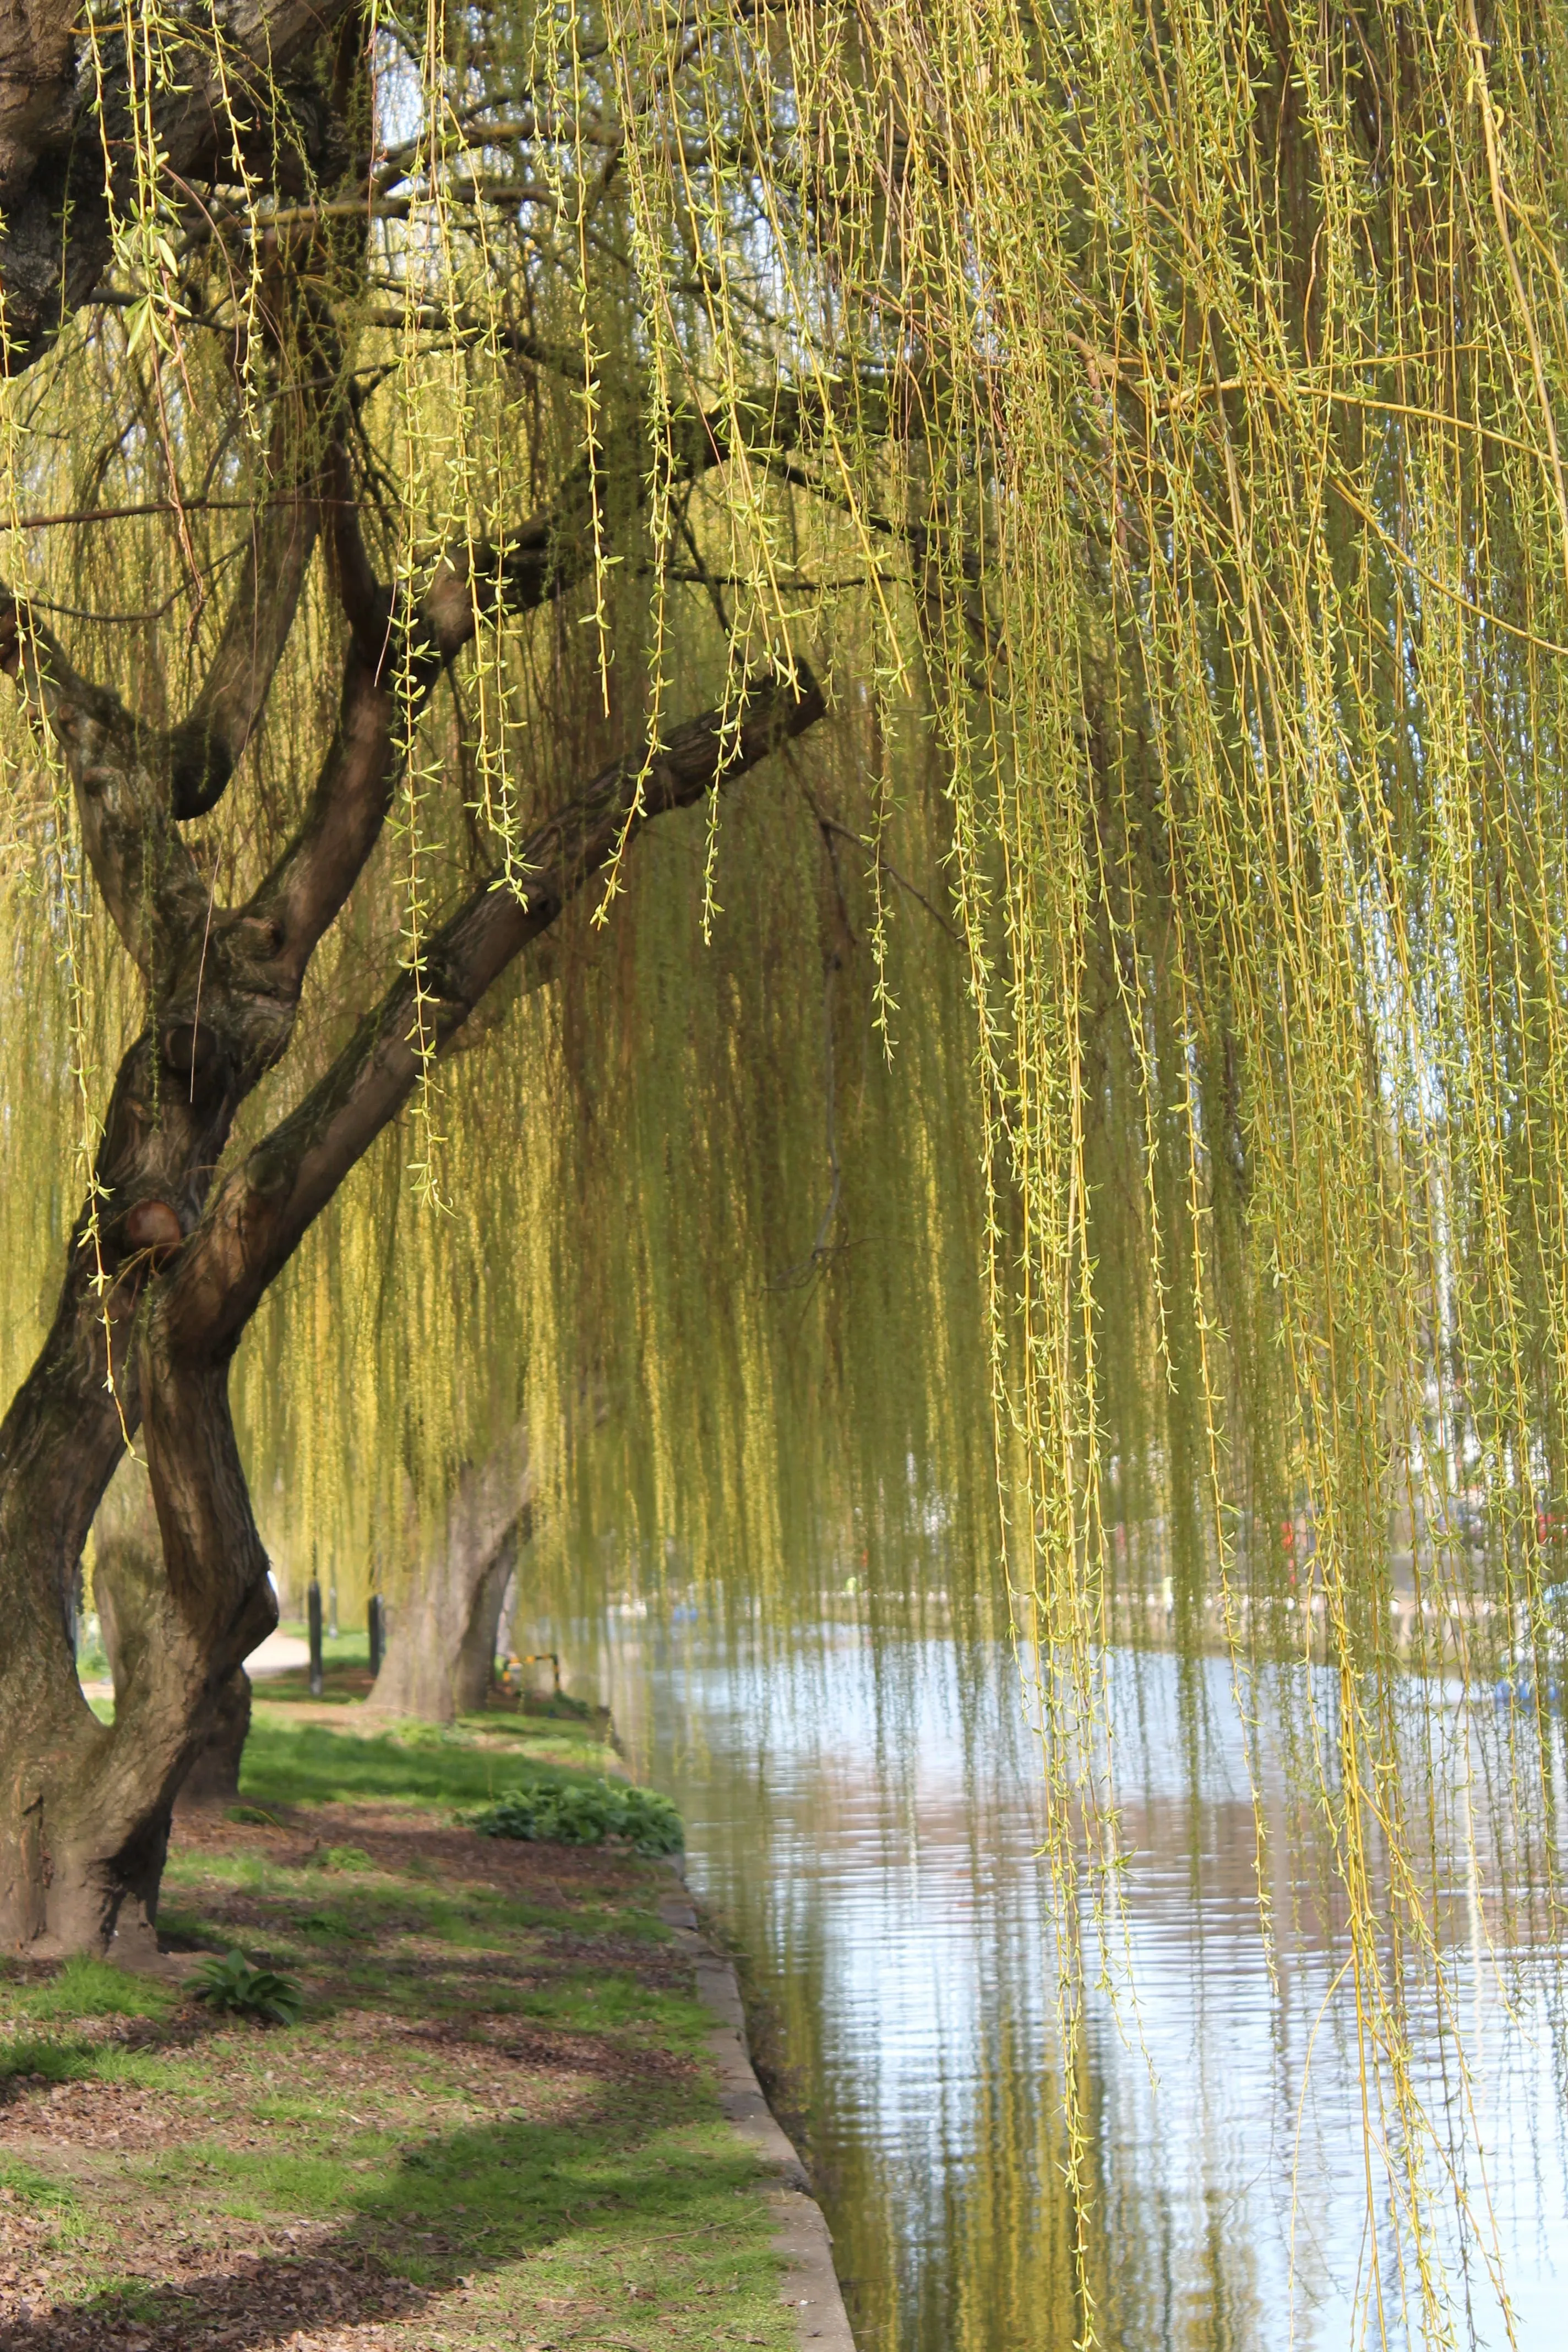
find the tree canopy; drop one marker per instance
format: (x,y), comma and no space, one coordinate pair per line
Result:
(1097,1115)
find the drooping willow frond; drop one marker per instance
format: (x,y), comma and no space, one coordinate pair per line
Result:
(1134,1056)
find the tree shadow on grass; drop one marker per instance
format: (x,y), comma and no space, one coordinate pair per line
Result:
(434,1881)
(31,2059)
(459,2206)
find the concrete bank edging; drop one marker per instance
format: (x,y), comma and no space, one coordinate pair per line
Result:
(810,2286)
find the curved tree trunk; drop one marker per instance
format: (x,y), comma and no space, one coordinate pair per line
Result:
(441,1652)
(128,1554)
(85,1808)
(214,1776)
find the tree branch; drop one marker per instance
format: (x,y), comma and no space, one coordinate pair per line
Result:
(256,1220)
(555,548)
(305,453)
(306,887)
(367,605)
(149,881)
(213,93)
(542,559)
(205,749)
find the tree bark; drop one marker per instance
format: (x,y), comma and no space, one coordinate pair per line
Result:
(69,131)
(441,1655)
(214,1775)
(161,1296)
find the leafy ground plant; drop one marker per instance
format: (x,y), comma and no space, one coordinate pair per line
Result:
(233,1985)
(351,1858)
(586,1815)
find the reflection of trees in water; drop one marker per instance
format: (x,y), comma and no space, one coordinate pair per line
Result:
(978,2254)
(876,1861)
(1012,2221)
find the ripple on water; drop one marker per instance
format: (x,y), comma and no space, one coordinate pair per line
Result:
(874,1839)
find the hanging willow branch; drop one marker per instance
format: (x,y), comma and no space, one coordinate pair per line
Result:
(1204,372)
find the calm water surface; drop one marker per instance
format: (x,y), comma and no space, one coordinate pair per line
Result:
(872,1837)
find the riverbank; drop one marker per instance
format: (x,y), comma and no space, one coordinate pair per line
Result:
(495,2122)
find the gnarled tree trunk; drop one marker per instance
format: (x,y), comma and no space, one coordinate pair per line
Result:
(127,1553)
(441,1657)
(214,1775)
(85,1809)
(166,1266)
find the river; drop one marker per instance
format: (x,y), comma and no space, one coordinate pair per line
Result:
(868,1827)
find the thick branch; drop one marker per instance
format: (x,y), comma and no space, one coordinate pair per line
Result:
(55,240)
(348,805)
(36,86)
(306,462)
(542,559)
(149,881)
(256,1220)
(205,749)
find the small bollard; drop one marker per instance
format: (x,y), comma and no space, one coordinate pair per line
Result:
(313,1620)
(377,1633)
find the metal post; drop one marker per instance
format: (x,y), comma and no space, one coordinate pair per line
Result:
(377,1633)
(313,1620)
(332,1612)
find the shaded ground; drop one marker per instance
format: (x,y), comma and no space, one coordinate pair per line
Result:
(494,2124)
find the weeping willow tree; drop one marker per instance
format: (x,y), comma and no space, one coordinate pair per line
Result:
(771,1379)
(1149,421)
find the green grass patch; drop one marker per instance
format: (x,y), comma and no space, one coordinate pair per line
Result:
(282,2181)
(86,1988)
(312,1764)
(47,2058)
(492,2124)
(586,2000)
(50,2058)
(28,2185)
(144,2070)
(380,1911)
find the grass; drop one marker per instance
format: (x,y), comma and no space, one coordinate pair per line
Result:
(494,2124)
(84,1989)
(293,1763)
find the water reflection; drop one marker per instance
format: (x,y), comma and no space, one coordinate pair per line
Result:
(873,1838)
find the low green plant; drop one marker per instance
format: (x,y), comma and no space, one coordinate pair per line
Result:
(340,1857)
(231,1984)
(586,1814)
